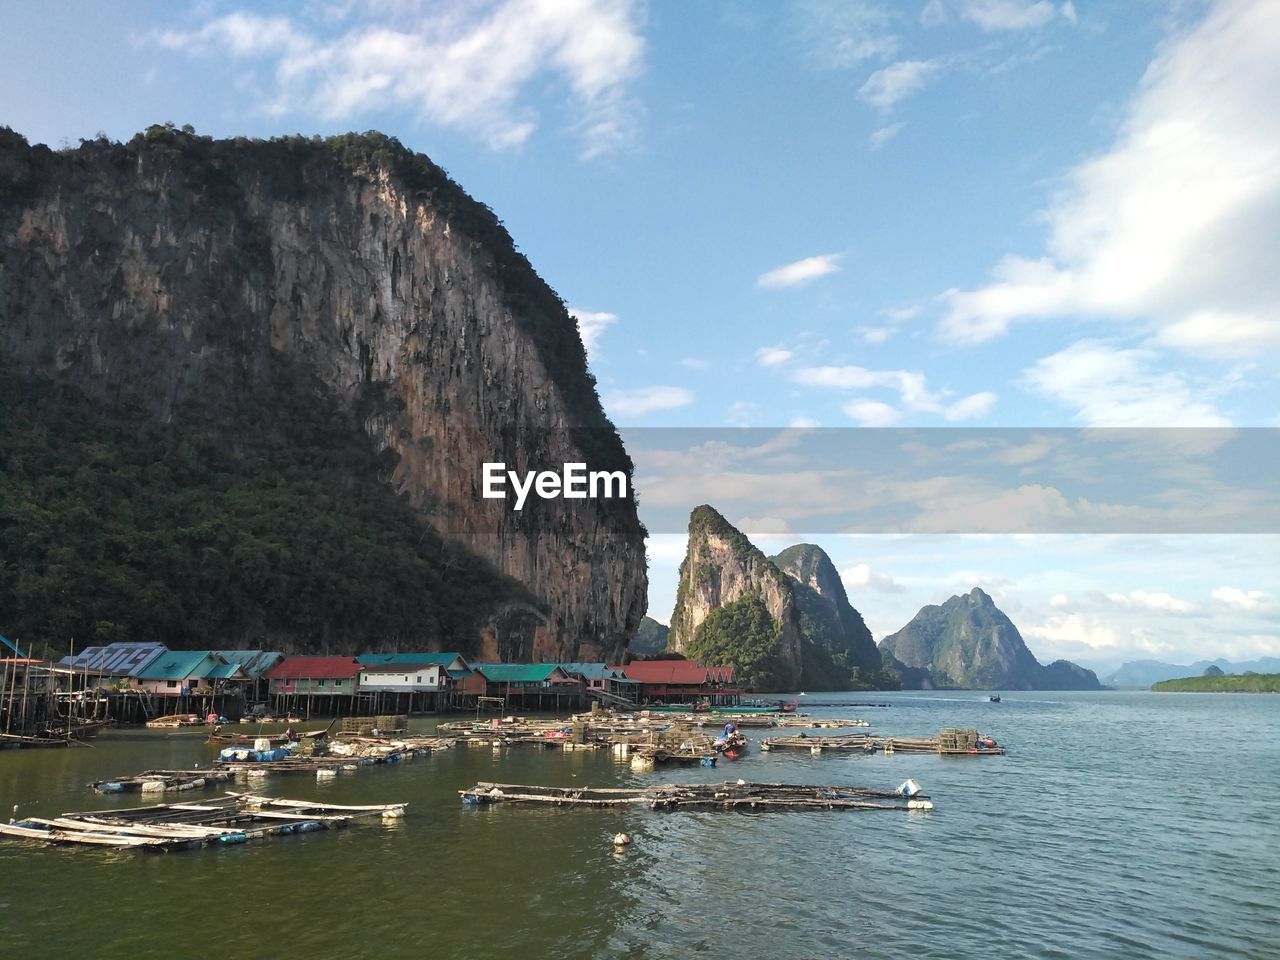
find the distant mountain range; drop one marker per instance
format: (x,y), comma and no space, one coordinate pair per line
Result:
(1143,673)
(969,643)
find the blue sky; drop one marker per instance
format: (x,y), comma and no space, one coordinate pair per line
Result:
(941,213)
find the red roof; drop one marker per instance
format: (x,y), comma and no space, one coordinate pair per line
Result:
(679,672)
(314,668)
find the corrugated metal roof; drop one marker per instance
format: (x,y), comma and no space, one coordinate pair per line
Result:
(459,674)
(115,659)
(314,668)
(225,671)
(591,671)
(518,672)
(254,662)
(667,671)
(177,665)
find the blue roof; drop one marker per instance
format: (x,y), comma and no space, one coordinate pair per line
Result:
(176,665)
(11,645)
(223,671)
(591,671)
(254,662)
(517,672)
(115,659)
(459,674)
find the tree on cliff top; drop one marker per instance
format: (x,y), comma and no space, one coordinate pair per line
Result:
(741,634)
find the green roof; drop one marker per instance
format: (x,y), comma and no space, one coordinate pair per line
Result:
(516,672)
(222,671)
(177,665)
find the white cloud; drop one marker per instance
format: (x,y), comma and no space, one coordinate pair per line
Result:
(1069,13)
(801,271)
(872,413)
(934,14)
(1075,630)
(971,407)
(1221,334)
(887,87)
(1243,599)
(761,525)
(694,363)
(646,400)
(1008,14)
(912,388)
(591,325)
(1110,387)
(1059,600)
(772,356)
(1159,602)
(862,577)
(876,334)
(883,135)
(844,33)
(469,66)
(803,423)
(1177,222)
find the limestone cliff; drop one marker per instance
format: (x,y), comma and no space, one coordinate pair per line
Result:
(177,273)
(722,568)
(969,643)
(836,630)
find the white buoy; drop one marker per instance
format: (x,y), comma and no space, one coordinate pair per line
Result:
(815,750)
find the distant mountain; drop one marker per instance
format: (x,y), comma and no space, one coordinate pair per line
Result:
(650,638)
(1143,673)
(969,643)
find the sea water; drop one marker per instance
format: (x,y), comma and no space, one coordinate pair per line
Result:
(1118,825)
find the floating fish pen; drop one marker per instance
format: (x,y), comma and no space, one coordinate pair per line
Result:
(951,742)
(234,819)
(160,781)
(730,795)
(175,720)
(382,725)
(348,754)
(807,723)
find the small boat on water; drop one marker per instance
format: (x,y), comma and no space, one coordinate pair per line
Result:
(994,698)
(175,720)
(732,746)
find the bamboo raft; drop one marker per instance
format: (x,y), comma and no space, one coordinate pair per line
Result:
(866,743)
(159,781)
(236,818)
(277,739)
(730,795)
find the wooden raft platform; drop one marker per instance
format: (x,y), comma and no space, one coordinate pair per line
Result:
(345,754)
(866,743)
(236,818)
(159,781)
(729,795)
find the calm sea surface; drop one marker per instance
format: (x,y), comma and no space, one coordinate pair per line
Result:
(1120,825)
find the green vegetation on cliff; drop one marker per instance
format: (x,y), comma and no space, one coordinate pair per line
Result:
(1224,683)
(650,638)
(272,526)
(741,634)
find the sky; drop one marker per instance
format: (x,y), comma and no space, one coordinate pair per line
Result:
(972,215)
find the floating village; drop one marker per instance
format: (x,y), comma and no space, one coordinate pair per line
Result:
(344,714)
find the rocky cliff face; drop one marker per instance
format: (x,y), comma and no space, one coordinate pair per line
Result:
(969,643)
(175,272)
(650,638)
(833,623)
(722,567)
